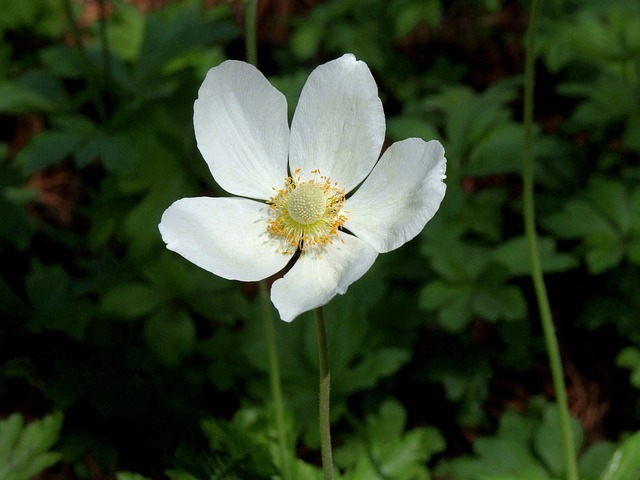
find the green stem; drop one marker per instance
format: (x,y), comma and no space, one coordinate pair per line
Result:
(272,350)
(550,338)
(92,78)
(250,32)
(274,378)
(325,393)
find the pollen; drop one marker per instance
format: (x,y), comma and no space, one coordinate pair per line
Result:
(307,203)
(306,213)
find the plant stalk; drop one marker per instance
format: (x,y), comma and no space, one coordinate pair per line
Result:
(250,32)
(274,378)
(275,382)
(325,394)
(551,341)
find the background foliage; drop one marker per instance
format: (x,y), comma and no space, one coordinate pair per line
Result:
(438,367)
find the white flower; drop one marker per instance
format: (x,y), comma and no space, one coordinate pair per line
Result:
(295,188)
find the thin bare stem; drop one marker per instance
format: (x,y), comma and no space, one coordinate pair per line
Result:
(250,31)
(325,394)
(274,378)
(551,341)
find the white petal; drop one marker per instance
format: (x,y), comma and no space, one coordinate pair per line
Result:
(338,126)
(240,122)
(318,277)
(226,236)
(400,196)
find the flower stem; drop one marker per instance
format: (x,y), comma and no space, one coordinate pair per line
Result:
(250,32)
(325,393)
(551,341)
(272,350)
(274,378)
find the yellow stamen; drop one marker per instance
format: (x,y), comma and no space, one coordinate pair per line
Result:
(305,214)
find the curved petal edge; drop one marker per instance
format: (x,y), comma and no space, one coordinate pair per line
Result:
(320,275)
(226,236)
(242,131)
(401,195)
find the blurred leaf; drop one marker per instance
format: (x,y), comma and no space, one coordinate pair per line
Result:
(15,225)
(629,358)
(594,460)
(126,31)
(383,449)
(471,117)
(305,40)
(605,222)
(43,16)
(464,375)
(113,150)
(48,148)
(500,151)
(131,301)
(171,335)
(64,61)
(514,254)
(508,453)
(237,454)
(56,304)
(18,98)
(24,450)
(547,440)
(130,476)
(165,40)
(408,14)
(401,127)
(625,462)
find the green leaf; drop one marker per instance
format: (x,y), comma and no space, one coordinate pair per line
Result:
(171,335)
(401,127)
(166,39)
(577,219)
(610,197)
(457,261)
(547,440)
(130,476)
(499,302)
(113,150)
(500,151)
(18,98)
(514,254)
(64,61)
(48,148)
(629,358)
(15,224)
(238,450)
(306,39)
(132,300)
(383,449)
(625,461)
(56,305)
(525,447)
(605,251)
(126,31)
(377,364)
(24,450)
(594,460)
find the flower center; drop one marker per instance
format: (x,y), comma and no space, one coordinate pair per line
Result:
(306,214)
(307,203)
